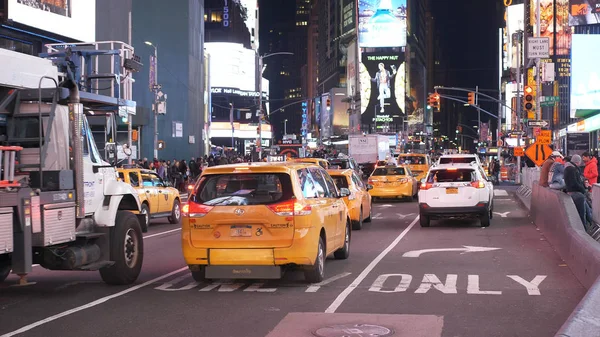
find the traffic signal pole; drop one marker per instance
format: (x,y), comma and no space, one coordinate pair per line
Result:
(518,177)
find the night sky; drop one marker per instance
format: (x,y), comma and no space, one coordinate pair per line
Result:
(467,29)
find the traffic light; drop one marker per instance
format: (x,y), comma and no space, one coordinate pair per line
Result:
(528,100)
(471,98)
(161,145)
(134,135)
(430,100)
(436,101)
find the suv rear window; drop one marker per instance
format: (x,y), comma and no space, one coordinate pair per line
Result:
(389,171)
(343,164)
(457,160)
(340,181)
(452,176)
(244,189)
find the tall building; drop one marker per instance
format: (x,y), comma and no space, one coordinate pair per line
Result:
(226,22)
(330,56)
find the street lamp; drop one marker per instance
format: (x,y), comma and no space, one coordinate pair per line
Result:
(154,103)
(260,114)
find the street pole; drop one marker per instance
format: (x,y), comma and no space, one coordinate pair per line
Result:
(498,127)
(478,113)
(519,104)
(231,124)
(285,127)
(260,109)
(155,91)
(538,82)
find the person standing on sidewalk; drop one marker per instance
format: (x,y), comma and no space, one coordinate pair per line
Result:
(545,172)
(590,171)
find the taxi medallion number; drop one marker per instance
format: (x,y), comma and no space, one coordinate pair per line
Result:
(452,190)
(240,231)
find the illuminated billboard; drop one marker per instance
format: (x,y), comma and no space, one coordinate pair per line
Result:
(585,75)
(74,19)
(382,23)
(383,88)
(553,24)
(232,66)
(584,12)
(515,15)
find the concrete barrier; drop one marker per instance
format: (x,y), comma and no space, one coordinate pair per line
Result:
(556,215)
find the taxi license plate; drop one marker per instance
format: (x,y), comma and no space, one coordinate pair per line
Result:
(240,231)
(452,190)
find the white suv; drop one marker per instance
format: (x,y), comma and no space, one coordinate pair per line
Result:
(456,191)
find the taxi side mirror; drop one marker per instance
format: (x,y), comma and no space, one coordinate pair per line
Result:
(344,192)
(369,187)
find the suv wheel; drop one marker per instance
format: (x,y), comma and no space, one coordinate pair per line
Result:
(424,220)
(485,219)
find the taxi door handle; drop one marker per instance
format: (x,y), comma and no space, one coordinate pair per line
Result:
(147,191)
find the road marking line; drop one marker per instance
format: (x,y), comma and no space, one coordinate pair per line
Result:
(90,305)
(162,233)
(315,287)
(341,297)
(502,215)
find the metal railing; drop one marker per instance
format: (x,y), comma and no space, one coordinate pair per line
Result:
(529,176)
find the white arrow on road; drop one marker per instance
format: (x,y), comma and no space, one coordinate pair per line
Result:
(502,215)
(466,249)
(402,216)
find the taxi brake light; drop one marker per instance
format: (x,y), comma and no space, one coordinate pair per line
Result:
(194,210)
(290,208)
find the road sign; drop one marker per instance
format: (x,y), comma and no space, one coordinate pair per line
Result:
(541,123)
(550,99)
(545,137)
(518,151)
(538,153)
(544,104)
(538,47)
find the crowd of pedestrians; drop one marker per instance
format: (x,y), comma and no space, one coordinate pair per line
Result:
(575,175)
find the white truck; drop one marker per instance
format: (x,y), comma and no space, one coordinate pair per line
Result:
(62,206)
(369,148)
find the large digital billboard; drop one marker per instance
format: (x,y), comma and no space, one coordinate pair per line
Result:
(74,19)
(232,66)
(584,12)
(383,87)
(585,74)
(553,24)
(381,23)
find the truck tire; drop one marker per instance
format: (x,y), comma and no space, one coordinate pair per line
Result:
(126,251)
(175,212)
(4,271)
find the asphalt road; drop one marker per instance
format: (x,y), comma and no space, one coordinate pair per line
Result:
(452,279)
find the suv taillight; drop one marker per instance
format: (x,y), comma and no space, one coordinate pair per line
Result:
(290,208)
(478,184)
(426,186)
(194,210)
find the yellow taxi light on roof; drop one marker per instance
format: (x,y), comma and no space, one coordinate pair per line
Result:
(239,169)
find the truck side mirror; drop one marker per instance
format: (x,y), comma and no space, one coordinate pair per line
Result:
(110,150)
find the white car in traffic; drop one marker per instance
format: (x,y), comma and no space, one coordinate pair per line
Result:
(456,191)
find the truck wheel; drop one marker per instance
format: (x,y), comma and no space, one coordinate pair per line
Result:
(316,272)
(4,271)
(126,251)
(175,213)
(145,211)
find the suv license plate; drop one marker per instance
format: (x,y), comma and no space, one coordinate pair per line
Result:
(452,190)
(240,231)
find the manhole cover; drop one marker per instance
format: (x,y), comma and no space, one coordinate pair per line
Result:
(354,330)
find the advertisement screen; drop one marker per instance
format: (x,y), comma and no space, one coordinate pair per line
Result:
(515,15)
(383,88)
(415,107)
(382,23)
(584,12)
(348,15)
(585,74)
(231,66)
(74,19)
(551,24)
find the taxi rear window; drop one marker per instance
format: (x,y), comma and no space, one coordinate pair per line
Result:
(243,189)
(411,160)
(340,181)
(389,171)
(452,176)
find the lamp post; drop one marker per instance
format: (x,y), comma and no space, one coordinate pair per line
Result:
(154,102)
(260,110)
(285,127)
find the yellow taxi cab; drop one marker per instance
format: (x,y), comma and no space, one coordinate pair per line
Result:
(318,161)
(417,162)
(393,182)
(359,200)
(158,199)
(254,220)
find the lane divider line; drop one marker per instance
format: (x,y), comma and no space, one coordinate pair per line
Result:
(344,294)
(91,304)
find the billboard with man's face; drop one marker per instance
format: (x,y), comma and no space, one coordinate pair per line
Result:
(381,23)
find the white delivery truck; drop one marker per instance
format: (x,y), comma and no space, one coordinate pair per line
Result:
(368,149)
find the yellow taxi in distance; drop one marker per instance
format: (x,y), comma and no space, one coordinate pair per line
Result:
(359,200)
(393,182)
(418,163)
(253,220)
(158,199)
(317,161)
